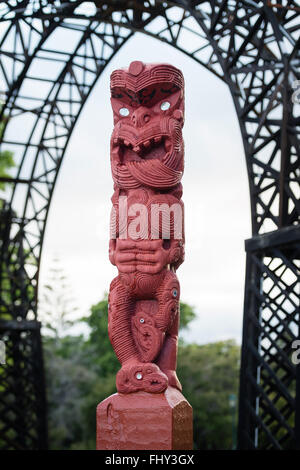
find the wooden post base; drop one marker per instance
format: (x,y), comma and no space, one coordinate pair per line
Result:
(145,421)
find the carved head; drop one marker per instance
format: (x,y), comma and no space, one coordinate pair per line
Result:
(148,109)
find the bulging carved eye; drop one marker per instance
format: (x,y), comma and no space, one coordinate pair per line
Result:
(165,105)
(124,112)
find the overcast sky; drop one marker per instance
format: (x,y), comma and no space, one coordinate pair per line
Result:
(215,184)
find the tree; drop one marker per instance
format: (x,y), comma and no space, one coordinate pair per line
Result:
(98,343)
(209,374)
(6,157)
(68,376)
(6,162)
(81,373)
(56,305)
(69,380)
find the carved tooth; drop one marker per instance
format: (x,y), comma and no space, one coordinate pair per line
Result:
(136,149)
(116,141)
(157,139)
(147,143)
(126,143)
(168,145)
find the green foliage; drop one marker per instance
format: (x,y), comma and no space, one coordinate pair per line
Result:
(81,373)
(6,158)
(6,162)
(69,380)
(98,342)
(187,314)
(209,375)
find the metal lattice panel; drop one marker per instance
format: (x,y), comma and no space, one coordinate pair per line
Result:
(271,381)
(22,425)
(45,81)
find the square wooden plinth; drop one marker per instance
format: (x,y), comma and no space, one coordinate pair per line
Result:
(145,421)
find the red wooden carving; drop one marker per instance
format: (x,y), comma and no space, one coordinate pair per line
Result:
(147,241)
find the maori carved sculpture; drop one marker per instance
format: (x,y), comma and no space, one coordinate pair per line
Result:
(147,234)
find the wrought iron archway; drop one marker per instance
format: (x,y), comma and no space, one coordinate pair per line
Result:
(45,81)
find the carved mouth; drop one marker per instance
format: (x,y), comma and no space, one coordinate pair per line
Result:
(149,149)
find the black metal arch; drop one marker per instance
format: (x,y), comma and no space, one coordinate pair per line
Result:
(52,54)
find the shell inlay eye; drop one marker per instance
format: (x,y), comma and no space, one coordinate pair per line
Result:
(165,105)
(124,112)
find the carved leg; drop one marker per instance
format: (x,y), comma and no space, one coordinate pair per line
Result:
(168,301)
(167,360)
(119,328)
(167,319)
(134,375)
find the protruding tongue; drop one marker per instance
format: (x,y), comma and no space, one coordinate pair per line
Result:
(130,156)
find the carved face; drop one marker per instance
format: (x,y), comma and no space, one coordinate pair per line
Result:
(147,103)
